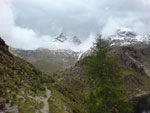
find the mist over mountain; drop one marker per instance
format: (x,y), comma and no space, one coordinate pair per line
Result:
(37,22)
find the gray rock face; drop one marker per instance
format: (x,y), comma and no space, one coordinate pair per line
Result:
(62,37)
(13,109)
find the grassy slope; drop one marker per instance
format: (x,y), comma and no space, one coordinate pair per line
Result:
(21,83)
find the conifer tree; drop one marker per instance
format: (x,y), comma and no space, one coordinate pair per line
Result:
(105,73)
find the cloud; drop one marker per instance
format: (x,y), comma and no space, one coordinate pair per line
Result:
(79,16)
(6,18)
(30,24)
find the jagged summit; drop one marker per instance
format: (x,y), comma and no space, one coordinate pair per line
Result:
(62,37)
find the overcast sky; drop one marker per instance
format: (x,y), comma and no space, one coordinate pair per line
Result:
(27,23)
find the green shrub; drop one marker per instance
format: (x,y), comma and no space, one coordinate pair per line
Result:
(43,79)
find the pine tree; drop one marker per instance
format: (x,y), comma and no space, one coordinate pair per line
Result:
(105,73)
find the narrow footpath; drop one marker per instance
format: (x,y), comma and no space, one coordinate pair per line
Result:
(45,109)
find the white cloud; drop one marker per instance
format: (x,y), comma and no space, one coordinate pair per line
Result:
(37,22)
(6,19)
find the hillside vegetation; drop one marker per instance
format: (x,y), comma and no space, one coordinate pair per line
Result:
(23,88)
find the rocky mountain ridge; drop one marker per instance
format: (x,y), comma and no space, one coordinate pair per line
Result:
(125,36)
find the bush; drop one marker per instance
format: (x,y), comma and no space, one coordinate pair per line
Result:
(43,79)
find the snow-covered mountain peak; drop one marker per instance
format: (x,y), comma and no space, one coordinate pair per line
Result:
(125,36)
(122,37)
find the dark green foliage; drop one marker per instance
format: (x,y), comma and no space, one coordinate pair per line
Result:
(104,71)
(43,79)
(93,103)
